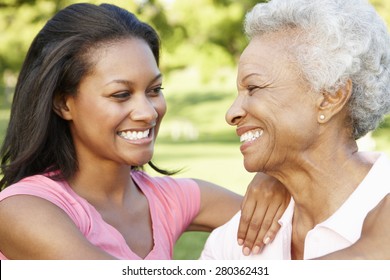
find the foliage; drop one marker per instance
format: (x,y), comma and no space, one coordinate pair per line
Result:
(383,8)
(207,39)
(203,34)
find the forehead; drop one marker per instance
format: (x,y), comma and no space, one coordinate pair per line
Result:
(267,55)
(126,47)
(129,60)
(131,54)
(266,47)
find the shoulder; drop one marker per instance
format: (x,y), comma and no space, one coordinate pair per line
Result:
(377,181)
(26,217)
(38,229)
(44,187)
(44,191)
(178,199)
(166,185)
(37,184)
(162,180)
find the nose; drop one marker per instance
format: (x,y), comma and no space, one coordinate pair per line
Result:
(144,109)
(236,111)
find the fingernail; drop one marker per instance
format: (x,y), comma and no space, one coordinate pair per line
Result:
(240,242)
(266,240)
(256,250)
(246,251)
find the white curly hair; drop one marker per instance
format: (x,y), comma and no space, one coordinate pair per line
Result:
(337,40)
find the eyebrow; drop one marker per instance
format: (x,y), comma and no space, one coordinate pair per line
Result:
(129,83)
(249,76)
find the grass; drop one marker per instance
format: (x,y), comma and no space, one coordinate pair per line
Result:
(190,245)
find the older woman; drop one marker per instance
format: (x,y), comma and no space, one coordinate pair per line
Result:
(314,78)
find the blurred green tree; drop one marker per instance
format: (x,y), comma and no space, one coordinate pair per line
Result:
(206,34)
(202,34)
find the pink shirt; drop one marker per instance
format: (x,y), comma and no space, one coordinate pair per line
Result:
(173,205)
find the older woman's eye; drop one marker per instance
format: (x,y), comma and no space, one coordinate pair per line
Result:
(252,89)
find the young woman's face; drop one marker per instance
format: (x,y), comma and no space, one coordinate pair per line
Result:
(275,112)
(117,111)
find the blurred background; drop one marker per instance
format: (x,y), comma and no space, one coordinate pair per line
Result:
(201,43)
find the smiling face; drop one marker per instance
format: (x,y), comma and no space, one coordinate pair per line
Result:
(275,112)
(116,113)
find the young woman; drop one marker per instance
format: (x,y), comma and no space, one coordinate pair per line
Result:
(86,113)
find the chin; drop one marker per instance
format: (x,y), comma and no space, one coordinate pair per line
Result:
(144,162)
(250,168)
(253,167)
(140,161)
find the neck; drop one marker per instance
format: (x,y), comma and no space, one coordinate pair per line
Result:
(103,183)
(321,179)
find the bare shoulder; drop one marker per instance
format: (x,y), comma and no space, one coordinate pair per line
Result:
(374,243)
(38,229)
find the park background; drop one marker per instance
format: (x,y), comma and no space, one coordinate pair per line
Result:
(201,43)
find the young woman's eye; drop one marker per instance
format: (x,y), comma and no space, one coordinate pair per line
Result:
(121,95)
(156,91)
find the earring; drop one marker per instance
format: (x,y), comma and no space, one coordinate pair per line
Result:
(322,117)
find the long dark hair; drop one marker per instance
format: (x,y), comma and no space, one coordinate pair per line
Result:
(37,139)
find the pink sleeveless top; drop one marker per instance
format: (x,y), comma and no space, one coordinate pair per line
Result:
(173,205)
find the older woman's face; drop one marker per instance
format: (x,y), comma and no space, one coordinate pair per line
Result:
(275,112)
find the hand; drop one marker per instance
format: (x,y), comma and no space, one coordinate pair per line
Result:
(263,205)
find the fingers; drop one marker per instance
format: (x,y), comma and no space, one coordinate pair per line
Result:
(271,221)
(255,231)
(262,229)
(264,204)
(248,208)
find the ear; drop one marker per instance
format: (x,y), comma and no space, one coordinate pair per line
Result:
(60,106)
(331,104)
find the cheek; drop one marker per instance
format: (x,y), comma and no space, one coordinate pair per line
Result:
(259,108)
(161,107)
(96,117)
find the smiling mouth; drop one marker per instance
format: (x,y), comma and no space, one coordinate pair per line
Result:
(251,135)
(134,135)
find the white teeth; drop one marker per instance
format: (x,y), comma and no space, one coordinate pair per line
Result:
(251,135)
(134,135)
